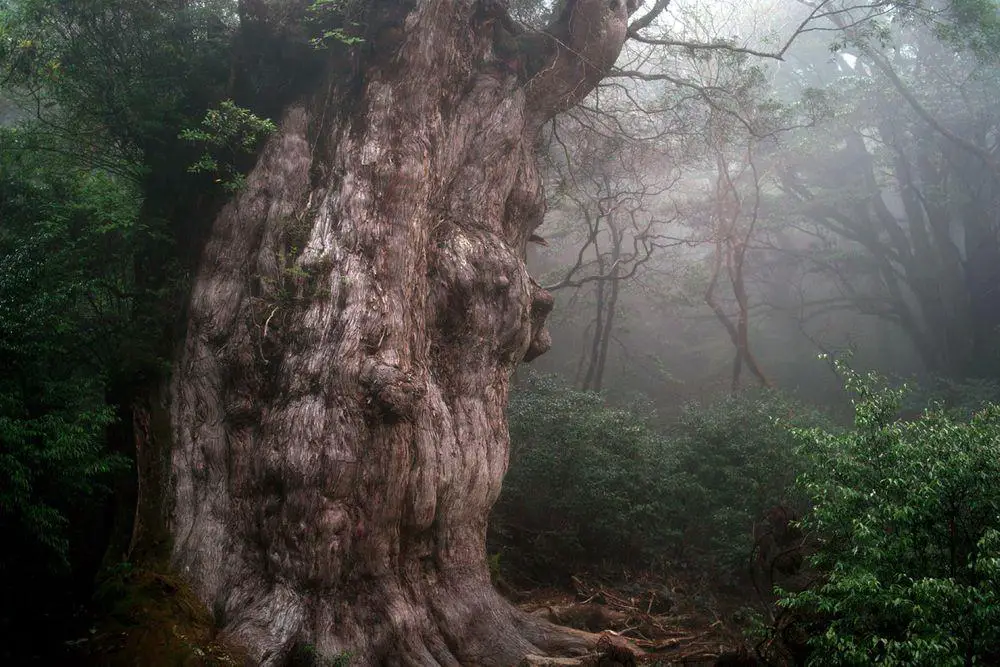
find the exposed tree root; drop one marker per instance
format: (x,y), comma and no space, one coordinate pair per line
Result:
(450,620)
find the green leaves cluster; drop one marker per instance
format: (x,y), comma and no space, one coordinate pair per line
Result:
(736,461)
(974,25)
(71,325)
(227,133)
(336,22)
(590,483)
(122,76)
(908,514)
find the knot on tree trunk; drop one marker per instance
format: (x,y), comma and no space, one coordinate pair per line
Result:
(541,305)
(394,390)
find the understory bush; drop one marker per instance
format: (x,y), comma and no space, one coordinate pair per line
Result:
(65,316)
(960,398)
(588,483)
(73,328)
(907,514)
(736,462)
(591,484)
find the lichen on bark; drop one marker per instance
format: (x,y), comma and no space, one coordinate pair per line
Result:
(336,456)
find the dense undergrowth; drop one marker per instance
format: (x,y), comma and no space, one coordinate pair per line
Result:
(592,484)
(898,543)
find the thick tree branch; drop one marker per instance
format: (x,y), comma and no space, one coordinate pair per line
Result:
(580,48)
(647,19)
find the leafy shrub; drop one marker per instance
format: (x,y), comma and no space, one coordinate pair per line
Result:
(908,514)
(591,483)
(736,462)
(960,398)
(228,133)
(588,482)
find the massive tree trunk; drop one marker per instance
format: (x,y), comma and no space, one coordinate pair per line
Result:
(338,405)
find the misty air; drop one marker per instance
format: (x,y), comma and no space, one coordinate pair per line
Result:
(499,333)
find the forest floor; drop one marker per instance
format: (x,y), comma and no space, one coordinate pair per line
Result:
(685,618)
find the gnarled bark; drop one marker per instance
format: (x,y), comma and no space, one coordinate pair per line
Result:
(338,405)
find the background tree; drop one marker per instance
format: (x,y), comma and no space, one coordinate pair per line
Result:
(72,329)
(899,212)
(624,225)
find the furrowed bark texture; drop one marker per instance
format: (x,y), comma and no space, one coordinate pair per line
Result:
(338,406)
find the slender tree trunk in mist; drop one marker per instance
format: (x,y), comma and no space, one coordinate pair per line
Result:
(606,305)
(338,405)
(594,352)
(609,320)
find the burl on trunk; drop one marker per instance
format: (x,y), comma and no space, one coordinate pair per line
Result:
(338,405)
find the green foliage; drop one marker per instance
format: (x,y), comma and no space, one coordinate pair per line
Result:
(74,322)
(49,460)
(99,216)
(590,483)
(908,514)
(493,562)
(227,133)
(123,77)
(975,25)
(89,277)
(960,398)
(335,22)
(95,192)
(342,659)
(339,35)
(307,655)
(736,462)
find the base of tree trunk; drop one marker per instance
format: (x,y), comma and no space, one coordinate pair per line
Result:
(419,618)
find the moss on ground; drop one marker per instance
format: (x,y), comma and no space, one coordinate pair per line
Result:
(155,620)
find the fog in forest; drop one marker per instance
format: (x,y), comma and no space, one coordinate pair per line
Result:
(500,332)
(778,222)
(722,227)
